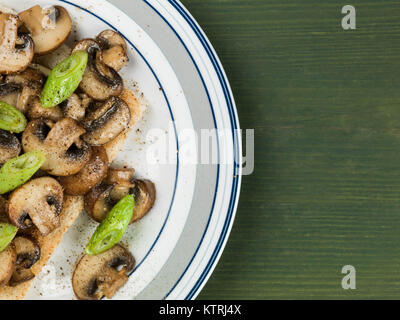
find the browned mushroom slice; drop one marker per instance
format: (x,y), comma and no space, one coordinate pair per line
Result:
(10,147)
(26,76)
(91,174)
(100,200)
(8,259)
(145,196)
(65,153)
(36,111)
(28,253)
(3,210)
(45,71)
(73,108)
(10,92)
(19,89)
(121,177)
(37,202)
(49,27)
(99,81)
(51,60)
(106,122)
(16,51)
(114,49)
(123,182)
(103,274)
(70,108)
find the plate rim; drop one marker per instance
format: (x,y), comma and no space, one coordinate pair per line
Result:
(237,148)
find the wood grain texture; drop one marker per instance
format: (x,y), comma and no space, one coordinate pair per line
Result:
(325,104)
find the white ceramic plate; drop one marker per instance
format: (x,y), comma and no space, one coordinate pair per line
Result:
(177,245)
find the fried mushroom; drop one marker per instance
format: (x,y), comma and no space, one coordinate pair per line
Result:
(103,274)
(106,122)
(91,174)
(19,89)
(70,108)
(119,183)
(49,27)
(65,153)
(28,253)
(16,50)
(73,108)
(3,210)
(8,259)
(36,111)
(10,92)
(36,203)
(99,81)
(10,147)
(114,48)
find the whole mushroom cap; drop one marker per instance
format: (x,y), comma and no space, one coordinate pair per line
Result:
(103,274)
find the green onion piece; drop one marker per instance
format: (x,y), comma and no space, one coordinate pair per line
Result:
(7,234)
(64,79)
(17,171)
(11,119)
(113,227)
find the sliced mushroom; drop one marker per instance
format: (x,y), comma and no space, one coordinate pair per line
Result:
(101,199)
(106,122)
(37,202)
(18,90)
(115,146)
(99,80)
(49,27)
(49,61)
(28,253)
(70,108)
(36,111)
(121,177)
(16,50)
(103,274)
(144,193)
(91,174)
(8,259)
(73,108)
(26,76)
(10,147)
(65,153)
(98,201)
(9,93)
(42,69)
(114,49)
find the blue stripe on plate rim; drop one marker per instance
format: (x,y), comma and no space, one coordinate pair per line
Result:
(234,126)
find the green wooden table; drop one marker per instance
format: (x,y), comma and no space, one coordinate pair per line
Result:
(325,106)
